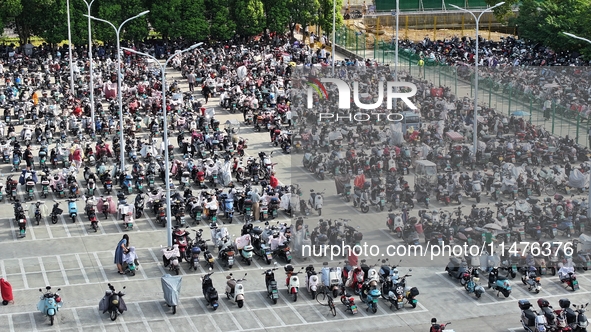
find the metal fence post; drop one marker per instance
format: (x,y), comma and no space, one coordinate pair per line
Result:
(578,126)
(510,97)
(530,109)
(553,115)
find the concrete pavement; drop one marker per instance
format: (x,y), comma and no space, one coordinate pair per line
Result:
(70,256)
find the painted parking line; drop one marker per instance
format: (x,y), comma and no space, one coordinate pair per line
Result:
(145,321)
(77,320)
(61,266)
(82,268)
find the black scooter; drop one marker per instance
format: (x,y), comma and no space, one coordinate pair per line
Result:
(210,293)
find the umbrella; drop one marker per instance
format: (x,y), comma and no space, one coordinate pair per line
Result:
(493,226)
(520,113)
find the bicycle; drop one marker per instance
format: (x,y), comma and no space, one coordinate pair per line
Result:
(326,295)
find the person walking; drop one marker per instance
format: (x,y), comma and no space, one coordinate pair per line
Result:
(191,80)
(255,197)
(122,248)
(77,156)
(29,157)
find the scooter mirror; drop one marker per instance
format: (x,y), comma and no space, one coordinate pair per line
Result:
(409,270)
(275,263)
(210,269)
(124,287)
(324,263)
(59,289)
(40,290)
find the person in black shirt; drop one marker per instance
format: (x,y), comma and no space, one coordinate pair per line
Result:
(29,157)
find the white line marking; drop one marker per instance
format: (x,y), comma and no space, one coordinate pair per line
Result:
(145,215)
(188,317)
(23,273)
(2,268)
(82,269)
(46,222)
(42,267)
(266,302)
(99,315)
(61,216)
(143,317)
(208,314)
(286,300)
(10,323)
(77,319)
(31,230)
(12,229)
(100,266)
(318,312)
(227,309)
(387,233)
(157,261)
(33,323)
(123,323)
(61,265)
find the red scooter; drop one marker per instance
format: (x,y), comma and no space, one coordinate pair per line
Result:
(181,237)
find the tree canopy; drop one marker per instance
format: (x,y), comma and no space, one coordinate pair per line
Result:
(195,20)
(544,21)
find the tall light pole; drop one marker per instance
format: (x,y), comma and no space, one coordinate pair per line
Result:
(396,46)
(588,133)
(334,20)
(119,94)
(90,70)
(165,131)
(70,48)
(477,19)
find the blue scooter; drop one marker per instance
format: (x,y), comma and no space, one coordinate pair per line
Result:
(72,209)
(370,297)
(567,227)
(50,303)
(128,184)
(228,206)
(499,283)
(471,286)
(16,161)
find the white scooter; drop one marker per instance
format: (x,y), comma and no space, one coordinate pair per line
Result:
(235,289)
(316,201)
(311,281)
(331,278)
(292,282)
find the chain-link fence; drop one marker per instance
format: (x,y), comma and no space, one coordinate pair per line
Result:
(531,93)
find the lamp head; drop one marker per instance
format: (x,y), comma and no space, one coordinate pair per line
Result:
(143,13)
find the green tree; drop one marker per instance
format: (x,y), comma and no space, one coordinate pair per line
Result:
(303,12)
(221,23)
(180,18)
(8,10)
(326,11)
(116,12)
(543,22)
(505,11)
(277,15)
(249,16)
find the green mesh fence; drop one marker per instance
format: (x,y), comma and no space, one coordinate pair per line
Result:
(507,98)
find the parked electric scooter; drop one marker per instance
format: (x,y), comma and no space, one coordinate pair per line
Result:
(271,284)
(292,281)
(499,283)
(50,303)
(316,201)
(210,293)
(311,281)
(72,209)
(113,302)
(235,289)
(348,301)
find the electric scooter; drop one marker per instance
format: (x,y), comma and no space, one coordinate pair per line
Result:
(271,284)
(50,303)
(292,281)
(235,289)
(72,209)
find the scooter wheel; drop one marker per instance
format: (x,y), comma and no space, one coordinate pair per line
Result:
(51,320)
(113,315)
(274,301)
(174,309)
(240,303)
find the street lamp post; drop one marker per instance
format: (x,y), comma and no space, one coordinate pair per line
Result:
(589,133)
(70,48)
(120,95)
(90,70)
(334,19)
(477,19)
(165,131)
